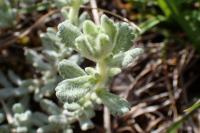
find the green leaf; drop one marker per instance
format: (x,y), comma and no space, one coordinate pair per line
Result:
(76,2)
(49,40)
(173,128)
(108,26)
(71,90)
(71,106)
(58,119)
(123,59)
(150,23)
(18,108)
(90,28)
(36,59)
(114,71)
(50,107)
(130,55)
(68,33)
(85,48)
(85,123)
(116,105)
(104,45)
(68,69)
(124,39)
(84,16)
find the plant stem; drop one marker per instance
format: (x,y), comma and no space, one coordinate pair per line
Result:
(73,14)
(102,69)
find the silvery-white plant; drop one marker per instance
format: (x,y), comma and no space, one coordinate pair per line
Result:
(50,119)
(108,45)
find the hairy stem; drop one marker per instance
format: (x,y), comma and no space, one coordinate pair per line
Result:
(102,69)
(73,14)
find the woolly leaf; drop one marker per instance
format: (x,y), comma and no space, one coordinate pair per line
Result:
(123,59)
(104,45)
(68,33)
(58,119)
(76,2)
(49,106)
(18,108)
(116,60)
(108,27)
(49,40)
(36,59)
(130,55)
(116,105)
(39,118)
(90,71)
(71,90)
(84,16)
(85,123)
(84,47)
(90,28)
(68,69)
(124,38)
(72,106)
(114,71)
(23,118)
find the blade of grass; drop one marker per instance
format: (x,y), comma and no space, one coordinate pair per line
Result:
(178,123)
(171,9)
(145,26)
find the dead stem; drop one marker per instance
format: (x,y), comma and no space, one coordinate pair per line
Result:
(95,13)
(106,116)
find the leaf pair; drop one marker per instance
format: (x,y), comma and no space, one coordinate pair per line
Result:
(77,82)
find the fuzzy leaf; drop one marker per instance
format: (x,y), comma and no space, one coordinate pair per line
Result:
(104,45)
(39,118)
(71,90)
(49,40)
(130,55)
(85,122)
(18,108)
(123,59)
(84,47)
(50,107)
(76,2)
(71,106)
(58,119)
(36,59)
(84,16)
(124,38)
(90,28)
(116,105)
(108,27)
(68,69)
(68,33)
(114,71)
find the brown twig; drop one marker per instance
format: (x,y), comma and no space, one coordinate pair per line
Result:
(107,124)
(95,12)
